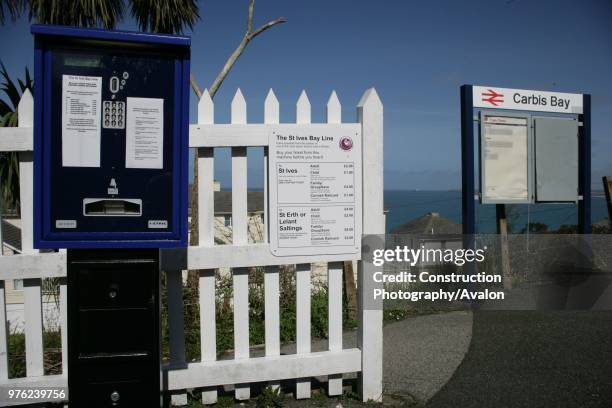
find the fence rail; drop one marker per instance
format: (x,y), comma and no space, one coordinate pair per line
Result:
(209,373)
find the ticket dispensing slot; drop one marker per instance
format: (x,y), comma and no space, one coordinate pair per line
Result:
(112,207)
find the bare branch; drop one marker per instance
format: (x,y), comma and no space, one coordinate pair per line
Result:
(248,36)
(250,17)
(266,26)
(194,86)
(227,67)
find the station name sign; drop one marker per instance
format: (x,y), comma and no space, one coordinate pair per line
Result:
(523,99)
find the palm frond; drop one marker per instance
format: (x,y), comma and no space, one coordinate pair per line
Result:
(14,8)
(8,87)
(4,108)
(28,79)
(9,174)
(9,120)
(80,13)
(9,161)
(165,16)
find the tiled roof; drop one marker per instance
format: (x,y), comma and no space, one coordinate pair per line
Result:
(11,235)
(223,202)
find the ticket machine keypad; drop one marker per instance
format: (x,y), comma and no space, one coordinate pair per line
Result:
(113,115)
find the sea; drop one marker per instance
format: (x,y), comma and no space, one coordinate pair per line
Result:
(405,205)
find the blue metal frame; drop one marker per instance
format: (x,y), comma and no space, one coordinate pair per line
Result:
(468,206)
(37,153)
(584,168)
(43,237)
(100,34)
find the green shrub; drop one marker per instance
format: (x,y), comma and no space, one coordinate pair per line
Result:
(52,354)
(270,398)
(225,316)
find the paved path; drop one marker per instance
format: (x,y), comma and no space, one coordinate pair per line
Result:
(420,353)
(534,359)
(508,359)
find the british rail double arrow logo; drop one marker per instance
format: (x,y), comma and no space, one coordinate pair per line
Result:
(492,97)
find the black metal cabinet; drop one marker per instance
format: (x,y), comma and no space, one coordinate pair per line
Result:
(113,316)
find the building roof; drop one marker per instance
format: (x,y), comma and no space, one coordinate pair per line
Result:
(223,202)
(11,234)
(430,223)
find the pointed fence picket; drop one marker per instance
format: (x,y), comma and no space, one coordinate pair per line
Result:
(209,374)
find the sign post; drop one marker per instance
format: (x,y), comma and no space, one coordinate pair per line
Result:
(607,183)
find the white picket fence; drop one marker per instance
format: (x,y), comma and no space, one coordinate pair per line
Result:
(209,373)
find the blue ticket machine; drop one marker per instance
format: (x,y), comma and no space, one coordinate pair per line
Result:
(111,138)
(110,165)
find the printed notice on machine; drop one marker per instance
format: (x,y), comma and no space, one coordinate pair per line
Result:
(315,190)
(81,97)
(144,133)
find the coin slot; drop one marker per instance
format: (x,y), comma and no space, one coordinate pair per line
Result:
(114,84)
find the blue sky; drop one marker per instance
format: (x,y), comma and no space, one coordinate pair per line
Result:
(415,53)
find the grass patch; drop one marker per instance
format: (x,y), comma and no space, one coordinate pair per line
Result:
(52,354)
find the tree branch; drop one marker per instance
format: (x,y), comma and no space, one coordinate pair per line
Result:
(266,26)
(194,86)
(248,36)
(250,16)
(227,67)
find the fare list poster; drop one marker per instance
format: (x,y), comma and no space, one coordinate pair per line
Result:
(315,190)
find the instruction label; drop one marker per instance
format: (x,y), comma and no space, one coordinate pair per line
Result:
(315,190)
(144,133)
(81,97)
